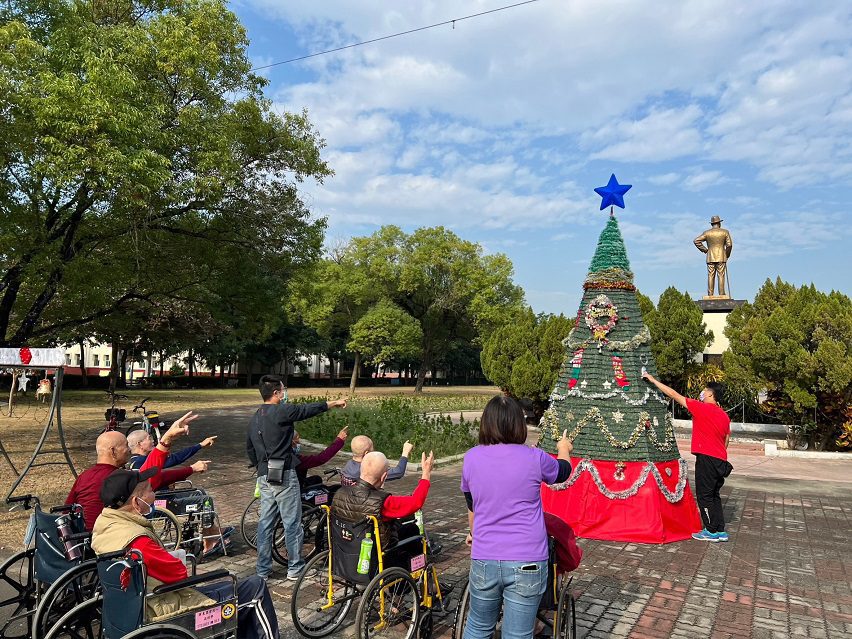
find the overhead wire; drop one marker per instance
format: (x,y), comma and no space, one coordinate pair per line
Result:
(395,35)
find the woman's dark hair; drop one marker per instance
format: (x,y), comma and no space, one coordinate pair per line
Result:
(502,422)
(268,385)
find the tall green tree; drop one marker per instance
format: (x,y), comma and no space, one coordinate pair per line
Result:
(386,334)
(447,284)
(679,335)
(522,357)
(796,343)
(140,162)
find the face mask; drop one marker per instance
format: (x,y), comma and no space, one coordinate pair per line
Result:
(150,508)
(284,396)
(297,449)
(701,396)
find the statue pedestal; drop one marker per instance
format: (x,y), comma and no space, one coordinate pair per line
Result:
(716,309)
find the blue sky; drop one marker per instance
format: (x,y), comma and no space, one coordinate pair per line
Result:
(500,129)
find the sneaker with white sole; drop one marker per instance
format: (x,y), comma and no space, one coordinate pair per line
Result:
(705,535)
(721,536)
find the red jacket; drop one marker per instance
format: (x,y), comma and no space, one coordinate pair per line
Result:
(568,553)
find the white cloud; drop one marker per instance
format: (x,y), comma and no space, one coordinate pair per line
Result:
(664,179)
(700,180)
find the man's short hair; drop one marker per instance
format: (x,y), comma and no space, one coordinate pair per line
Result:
(268,385)
(136,437)
(717,389)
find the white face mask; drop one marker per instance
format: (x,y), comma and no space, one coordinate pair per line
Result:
(150,507)
(701,396)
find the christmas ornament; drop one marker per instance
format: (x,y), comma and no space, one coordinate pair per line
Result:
(601,316)
(613,193)
(23,380)
(618,475)
(26,355)
(618,369)
(576,365)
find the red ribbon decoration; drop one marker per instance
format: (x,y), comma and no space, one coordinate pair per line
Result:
(26,355)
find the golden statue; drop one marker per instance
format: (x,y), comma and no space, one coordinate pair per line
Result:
(718,250)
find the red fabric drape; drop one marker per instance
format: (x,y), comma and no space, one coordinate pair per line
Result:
(646,517)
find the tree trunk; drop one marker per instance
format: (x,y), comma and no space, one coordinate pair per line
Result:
(190,362)
(12,391)
(123,368)
(113,366)
(83,370)
(421,376)
(162,365)
(353,382)
(331,371)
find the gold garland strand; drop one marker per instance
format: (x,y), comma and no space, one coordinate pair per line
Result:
(549,421)
(642,337)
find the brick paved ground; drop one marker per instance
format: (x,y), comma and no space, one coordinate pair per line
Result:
(785,573)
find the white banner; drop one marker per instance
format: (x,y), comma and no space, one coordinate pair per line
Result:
(35,357)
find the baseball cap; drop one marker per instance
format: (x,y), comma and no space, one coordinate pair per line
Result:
(120,484)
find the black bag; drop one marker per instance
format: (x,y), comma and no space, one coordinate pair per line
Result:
(275,474)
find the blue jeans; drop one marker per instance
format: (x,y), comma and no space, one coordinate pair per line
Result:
(284,500)
(517,586)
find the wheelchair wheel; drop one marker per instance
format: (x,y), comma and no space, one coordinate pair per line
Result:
(75,586)
(565,621)
(81,622)
(310,595)
(462,610)
(390,606)
(160,631)
(312,519)
(424,629)
(248,525)
(167,527)
(17,595)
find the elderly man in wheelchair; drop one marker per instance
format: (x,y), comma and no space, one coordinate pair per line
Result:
(123,527)
(378,553)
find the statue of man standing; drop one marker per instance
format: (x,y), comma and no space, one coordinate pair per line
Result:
(718,249)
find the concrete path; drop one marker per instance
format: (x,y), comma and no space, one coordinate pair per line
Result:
(785,573)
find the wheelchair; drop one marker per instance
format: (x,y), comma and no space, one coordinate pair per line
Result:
(315,493)
(121,611)
(52,575)
(557,598)
(394,602)
(181,514)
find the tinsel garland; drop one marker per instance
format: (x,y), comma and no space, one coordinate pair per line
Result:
(609,276)
(586,465)
(550,420)
(642,337)
(576,392)
(622,286)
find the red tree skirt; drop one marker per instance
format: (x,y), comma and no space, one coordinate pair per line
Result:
(646,517)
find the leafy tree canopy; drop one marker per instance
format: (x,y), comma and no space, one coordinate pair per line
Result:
(797,344)
(140,163)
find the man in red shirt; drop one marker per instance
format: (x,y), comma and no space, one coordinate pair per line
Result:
(113,452)
(711,432)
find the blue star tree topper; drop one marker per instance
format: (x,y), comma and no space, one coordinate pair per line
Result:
(612,193)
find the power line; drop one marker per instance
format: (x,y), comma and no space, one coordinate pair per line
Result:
(396,35)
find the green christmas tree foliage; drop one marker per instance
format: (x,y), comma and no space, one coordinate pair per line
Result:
(600,398)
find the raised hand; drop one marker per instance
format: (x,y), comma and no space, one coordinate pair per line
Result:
(179,428)
(337,403)
(344,433)
(426,464)
(564,446)
(407,447)
(200,466)
(208,441)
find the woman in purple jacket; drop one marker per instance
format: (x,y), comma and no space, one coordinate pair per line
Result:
(501,481)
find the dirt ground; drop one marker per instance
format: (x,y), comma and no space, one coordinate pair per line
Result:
(223,413)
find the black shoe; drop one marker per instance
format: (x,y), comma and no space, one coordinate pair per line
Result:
(435,549)
(446,588)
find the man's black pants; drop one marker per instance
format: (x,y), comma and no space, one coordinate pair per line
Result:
(710,473)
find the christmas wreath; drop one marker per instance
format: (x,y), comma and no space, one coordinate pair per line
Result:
(598,309)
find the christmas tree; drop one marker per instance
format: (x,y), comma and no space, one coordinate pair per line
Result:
(628,481)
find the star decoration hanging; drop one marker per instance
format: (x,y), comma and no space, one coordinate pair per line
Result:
(23,380)
(617,416)
(607,384)
(613,193)
(584,383)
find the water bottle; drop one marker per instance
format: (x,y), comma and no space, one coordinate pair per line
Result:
(418,517)
(257,489)
(207,514)
(73,548)
(365,554)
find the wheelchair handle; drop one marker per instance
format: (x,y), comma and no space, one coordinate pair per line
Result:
(331,472)
(62,509)
(78,536)
(26,500)
(194,581)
